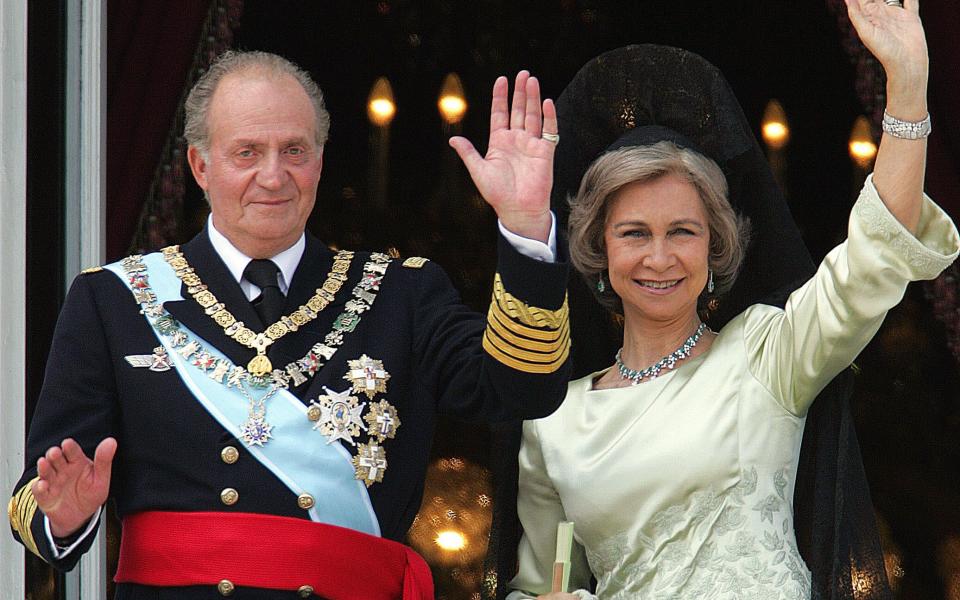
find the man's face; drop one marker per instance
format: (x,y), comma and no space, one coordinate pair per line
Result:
(263,166)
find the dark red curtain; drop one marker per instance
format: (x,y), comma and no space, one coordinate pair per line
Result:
(150,50)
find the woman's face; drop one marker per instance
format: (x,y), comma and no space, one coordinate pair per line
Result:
(658,241)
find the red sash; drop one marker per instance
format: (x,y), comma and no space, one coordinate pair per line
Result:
(170,549)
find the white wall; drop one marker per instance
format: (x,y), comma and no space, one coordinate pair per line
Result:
(13,168)
(85,236)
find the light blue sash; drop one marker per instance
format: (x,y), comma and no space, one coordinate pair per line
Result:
(298,455)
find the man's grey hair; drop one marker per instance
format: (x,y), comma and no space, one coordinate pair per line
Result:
(197,105)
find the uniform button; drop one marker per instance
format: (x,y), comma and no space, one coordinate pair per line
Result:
(229,496)
(305,501)
(305,591)
(229,455)
(314,413)
(226,587)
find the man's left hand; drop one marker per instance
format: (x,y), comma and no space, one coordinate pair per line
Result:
(516,175)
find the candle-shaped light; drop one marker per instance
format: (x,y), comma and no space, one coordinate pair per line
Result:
(452,103)
(862,147)
(776,134)
(776,131)
(381,107)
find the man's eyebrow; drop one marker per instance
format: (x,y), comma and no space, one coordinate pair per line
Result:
(300,139)
(240,142)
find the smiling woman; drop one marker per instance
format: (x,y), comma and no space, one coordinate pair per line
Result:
(657,240)
(678,463)
(629,167)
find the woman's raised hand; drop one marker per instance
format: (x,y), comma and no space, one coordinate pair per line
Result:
(894,35)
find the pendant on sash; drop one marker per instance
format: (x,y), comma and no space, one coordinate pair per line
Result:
(255,431)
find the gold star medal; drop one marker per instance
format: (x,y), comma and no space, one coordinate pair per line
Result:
(339,417)
(382,420)
(367,376)
(370,463)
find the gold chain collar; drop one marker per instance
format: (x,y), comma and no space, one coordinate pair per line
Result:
(259,365)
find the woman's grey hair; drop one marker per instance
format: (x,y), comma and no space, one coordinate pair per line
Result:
(197,105)
(729,232)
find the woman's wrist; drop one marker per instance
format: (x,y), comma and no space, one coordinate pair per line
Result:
(907,95)
(907,105)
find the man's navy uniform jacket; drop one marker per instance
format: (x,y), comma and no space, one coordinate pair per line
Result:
(442,358)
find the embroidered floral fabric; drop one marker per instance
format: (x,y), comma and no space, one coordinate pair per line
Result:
(753,553)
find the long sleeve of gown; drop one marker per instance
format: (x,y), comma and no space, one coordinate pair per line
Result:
(825,324)
(540,510)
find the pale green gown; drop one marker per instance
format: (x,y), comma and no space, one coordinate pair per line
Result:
(682,486)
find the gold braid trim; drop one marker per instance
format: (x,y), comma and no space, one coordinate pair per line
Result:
(521,365)
(519,310)
(22,508)
(508,336)
(553,358)
(524,337)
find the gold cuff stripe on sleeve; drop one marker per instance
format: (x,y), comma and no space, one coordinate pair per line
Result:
(526,355)
(21,510)
(519,365)
(524,313)
(505,331)
(497,312)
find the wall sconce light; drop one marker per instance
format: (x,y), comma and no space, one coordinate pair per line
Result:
(452,103)
(862,147)
(381,107)
(776,131)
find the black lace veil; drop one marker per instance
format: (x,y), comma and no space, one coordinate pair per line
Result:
(642,85)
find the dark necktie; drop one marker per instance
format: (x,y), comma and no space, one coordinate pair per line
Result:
(263,274)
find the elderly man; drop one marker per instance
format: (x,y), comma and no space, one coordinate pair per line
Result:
(262,408)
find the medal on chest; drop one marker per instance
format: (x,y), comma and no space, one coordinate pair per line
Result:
(341,416)
(337,416)
(367,376)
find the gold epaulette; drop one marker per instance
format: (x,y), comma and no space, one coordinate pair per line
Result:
(524,337)
(415,262)
(91,270)
(22,508)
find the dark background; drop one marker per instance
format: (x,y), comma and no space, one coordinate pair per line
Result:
(906,402)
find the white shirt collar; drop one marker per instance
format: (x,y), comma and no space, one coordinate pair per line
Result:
(236,261)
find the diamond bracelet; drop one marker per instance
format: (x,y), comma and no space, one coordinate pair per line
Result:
(907,130)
